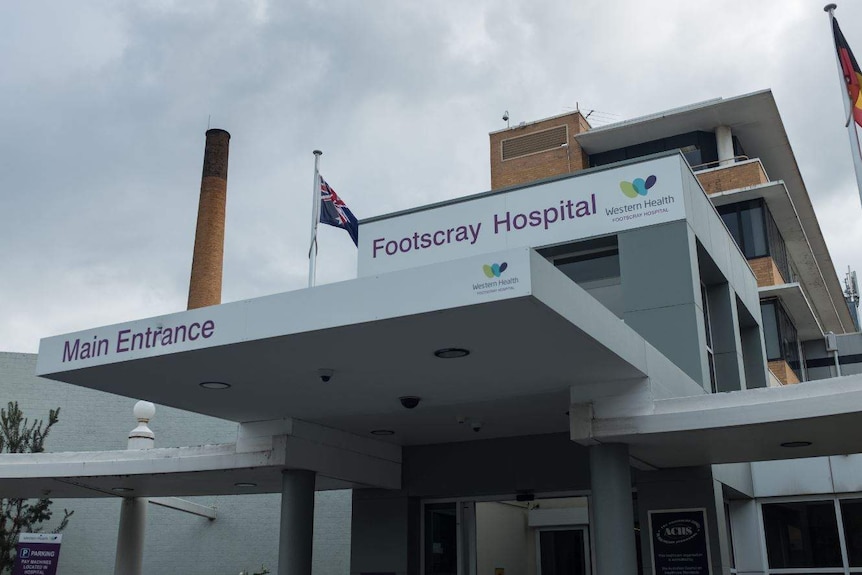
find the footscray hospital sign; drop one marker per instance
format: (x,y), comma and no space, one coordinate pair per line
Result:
(593,204)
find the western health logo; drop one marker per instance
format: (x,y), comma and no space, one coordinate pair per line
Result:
(494,270)
(637,187)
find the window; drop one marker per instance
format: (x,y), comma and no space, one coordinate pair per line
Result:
(801,534)
(710,356)
(805,536)
(851,516)
(698,148)
(595,266)
(755,232)
(591,267)
(779,334)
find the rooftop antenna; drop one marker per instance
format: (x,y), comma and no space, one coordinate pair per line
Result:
(506,117)
(209,117)
(851,286)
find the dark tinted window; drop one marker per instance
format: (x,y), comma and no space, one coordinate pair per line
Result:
(801,535)
(698,148)
(770,330)
(851,513)
(591,267)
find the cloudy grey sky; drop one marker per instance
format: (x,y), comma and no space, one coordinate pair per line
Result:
(104,105)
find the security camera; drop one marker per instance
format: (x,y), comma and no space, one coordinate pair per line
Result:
(409,401)
(325,375)
(476,426)
(506,116)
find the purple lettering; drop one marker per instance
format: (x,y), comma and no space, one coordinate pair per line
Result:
(137,341)
(548,213)
(394,248)
(71,353)
(522,220)
(208,328)
(123,337)
(378,245)
(193,335)
(498,222)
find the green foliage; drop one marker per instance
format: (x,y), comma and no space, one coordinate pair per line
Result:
(19,435)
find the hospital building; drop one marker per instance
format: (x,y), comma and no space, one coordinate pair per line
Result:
(633,354)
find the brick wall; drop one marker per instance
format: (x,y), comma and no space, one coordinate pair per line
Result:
(782,371)
(555,162)
(245,534)
(766,272)
(732,177)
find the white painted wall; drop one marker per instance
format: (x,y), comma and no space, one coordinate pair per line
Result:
(504,540)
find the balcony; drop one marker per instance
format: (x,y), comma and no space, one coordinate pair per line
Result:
(741,174)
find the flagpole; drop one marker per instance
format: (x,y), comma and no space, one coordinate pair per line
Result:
(315,219)
(855,150)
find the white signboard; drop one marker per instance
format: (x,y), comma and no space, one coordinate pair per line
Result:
(595,204)
(485,277)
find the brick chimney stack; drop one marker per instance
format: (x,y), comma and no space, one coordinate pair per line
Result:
(205,283)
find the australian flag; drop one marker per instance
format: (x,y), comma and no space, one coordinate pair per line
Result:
(334,211)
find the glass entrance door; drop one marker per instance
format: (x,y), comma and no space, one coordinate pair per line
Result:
(563,552)
(441,539)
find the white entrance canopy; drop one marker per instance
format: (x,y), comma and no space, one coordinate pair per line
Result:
(253,464)
(804,420)
(544,357)
(531,334)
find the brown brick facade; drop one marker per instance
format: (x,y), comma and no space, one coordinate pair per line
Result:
(732,177)
(543,164)
(766,272)
(782,372)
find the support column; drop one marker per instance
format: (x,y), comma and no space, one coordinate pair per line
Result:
(130,539)
(612,512)
(724,143)
(295,538)
(133,512)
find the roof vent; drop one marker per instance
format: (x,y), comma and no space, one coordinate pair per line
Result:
(541,141)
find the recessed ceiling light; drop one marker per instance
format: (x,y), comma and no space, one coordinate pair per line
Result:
(382,432)
(214,385)
(452,352)
(122,489)
(245,484)
(796,444)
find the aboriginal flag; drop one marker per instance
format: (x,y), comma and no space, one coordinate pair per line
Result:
(851,71)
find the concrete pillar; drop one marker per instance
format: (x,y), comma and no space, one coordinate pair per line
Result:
(133,512)
(724,143)
(297,522)
(130,538)
(206,277)
(612,512)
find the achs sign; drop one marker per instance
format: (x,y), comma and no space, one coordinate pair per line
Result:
(679,542)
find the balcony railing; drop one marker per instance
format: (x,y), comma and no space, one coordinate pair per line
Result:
(742,174)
